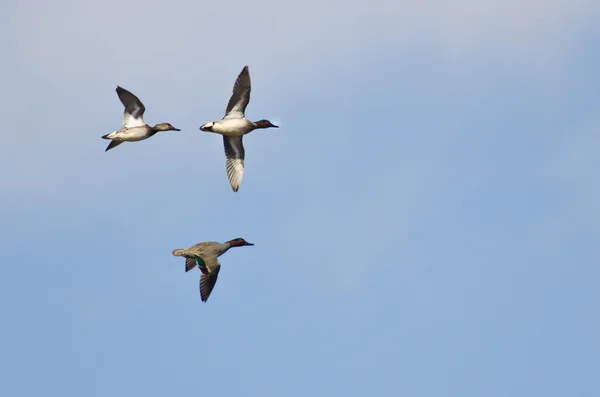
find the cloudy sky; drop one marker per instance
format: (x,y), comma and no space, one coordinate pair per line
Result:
(426,218)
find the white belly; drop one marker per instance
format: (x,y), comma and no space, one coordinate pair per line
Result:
(130,134)
(232,127)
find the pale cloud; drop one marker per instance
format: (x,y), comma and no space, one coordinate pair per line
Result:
(70,39)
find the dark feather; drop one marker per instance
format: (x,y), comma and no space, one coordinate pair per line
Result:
(113,144)
(190,263)
(241,92)
(131,102)
(207,283)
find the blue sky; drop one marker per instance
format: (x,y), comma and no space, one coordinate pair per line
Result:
(425,218)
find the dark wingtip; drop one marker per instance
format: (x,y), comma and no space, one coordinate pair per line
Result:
(112,144)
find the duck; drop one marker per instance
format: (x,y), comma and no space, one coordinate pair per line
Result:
(234,125)
(204,255)
(134,127)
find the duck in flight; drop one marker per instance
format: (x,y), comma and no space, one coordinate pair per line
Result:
(134,127)
(205,255)
(234,126)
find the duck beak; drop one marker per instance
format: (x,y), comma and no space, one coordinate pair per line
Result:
(176,129)
(274,126)
(247,243)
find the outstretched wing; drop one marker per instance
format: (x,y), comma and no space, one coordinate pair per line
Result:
(240,96)
(208,280)
(234,151)
(134,109)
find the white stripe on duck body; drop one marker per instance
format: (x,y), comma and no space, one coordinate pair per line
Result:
(134,127)
(205,255)
(234,126)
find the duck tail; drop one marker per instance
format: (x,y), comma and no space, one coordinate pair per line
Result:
(190,263)
(208,127)
(111,135)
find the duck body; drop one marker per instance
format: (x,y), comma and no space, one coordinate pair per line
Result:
(134,127)
(133,134)
(208,251)
(234,126)
(204,255)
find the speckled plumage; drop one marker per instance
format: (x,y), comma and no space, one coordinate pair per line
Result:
(204,255)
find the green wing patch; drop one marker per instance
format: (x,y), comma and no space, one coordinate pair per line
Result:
(202,265)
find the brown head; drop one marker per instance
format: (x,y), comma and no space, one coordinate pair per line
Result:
(165,127)
(265,124)
(238,242)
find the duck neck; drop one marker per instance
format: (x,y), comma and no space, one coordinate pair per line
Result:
(259,125)
(232,243)
(154,130)
(227,245)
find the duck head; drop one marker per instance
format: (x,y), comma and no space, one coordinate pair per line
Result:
(238,242)
(265,124)
(165,127)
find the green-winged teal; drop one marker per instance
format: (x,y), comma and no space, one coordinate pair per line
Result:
(205,256)
(134,127)
(234,126)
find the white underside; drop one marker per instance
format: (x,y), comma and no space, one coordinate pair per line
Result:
(235,172)
(133,120)
(231,127)
(129,135)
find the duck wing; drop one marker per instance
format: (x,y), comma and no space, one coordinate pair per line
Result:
(240,96)
(134,109)
(235,153)
(208,279)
